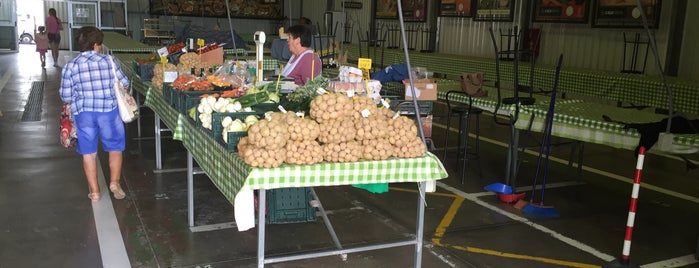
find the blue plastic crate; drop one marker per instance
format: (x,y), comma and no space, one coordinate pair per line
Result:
(290,205)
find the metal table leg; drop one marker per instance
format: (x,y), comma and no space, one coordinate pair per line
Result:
(261,205)
(190,189)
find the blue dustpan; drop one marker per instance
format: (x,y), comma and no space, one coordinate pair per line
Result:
(498,188)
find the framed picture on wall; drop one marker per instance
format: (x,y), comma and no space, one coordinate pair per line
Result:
(456,8)
(254,9)
(414,10)
(386,9)
(625,13)
(494,10)
(573,11)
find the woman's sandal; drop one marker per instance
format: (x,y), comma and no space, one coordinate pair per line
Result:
(94,197)
(117,191)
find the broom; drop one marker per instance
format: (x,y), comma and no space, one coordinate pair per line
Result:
(539,208)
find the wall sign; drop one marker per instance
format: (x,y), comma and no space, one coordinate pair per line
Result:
(413,10)
(574,11)
(494,10)
(352,5)
(456,8)
(625,13)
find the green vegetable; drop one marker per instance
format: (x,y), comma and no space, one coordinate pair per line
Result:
(248,100)
(193,113)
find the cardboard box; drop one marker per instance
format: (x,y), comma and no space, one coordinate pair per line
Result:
(425,89)
(214,57)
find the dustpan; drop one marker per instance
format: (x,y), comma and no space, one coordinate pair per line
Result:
(499,188)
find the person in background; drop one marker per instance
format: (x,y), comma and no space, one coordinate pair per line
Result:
(42,44)
(87,84)
(54,27)
(303,64)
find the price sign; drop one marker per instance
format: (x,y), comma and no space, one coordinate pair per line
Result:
(364,63)
(163,59)
(200,42)
(162,52)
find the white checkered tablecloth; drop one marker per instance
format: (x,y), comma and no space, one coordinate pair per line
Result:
(584,121)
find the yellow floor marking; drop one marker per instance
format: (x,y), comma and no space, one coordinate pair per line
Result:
(449,217)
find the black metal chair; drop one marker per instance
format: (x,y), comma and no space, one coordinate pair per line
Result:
(463,111)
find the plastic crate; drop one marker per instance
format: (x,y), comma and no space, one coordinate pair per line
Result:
(144,71)
(216,118)
(405,107)
(183,105)
(233,139)
(290,205)
(168,92)
(266,107)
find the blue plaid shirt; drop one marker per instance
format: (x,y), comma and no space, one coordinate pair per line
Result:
(87,83)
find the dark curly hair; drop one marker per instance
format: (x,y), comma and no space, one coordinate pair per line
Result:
(87,37)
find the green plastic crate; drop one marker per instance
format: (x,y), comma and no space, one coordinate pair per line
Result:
(290,205)
(234,139)
(216,118)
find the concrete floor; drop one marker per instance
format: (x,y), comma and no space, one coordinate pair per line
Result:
(49,222)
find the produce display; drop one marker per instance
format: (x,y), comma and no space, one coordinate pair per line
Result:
(305,152)
(333,134)
(268,134)
(302,129)
(378,149)
(342,152)
(261,156)
(159,74)
(330,106)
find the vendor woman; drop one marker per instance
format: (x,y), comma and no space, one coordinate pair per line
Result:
(303,64)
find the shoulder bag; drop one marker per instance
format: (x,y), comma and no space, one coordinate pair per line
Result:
(128,108)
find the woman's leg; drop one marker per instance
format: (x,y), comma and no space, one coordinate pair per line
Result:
(54,52)
(90,167)
(115,159)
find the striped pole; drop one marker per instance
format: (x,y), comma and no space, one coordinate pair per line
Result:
(632,207)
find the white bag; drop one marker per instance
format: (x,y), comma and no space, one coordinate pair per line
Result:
(128,108)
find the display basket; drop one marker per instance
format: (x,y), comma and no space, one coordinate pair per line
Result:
(290,205)
(234,139)
(144,71)
(184,99)
(216,118)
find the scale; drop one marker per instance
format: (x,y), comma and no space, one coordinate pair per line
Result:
(259,44)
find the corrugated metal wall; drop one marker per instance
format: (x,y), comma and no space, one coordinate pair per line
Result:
(581,45)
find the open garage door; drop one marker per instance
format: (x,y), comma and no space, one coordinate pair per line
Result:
(9,37)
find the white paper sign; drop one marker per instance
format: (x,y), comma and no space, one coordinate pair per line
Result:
(409,92)
(162,51)
(170,76)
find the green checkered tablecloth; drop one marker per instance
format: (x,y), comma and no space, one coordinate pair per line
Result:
(168,114)
(687,139)
(231,175)
(613,86)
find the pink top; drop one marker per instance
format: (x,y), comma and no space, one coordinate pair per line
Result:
(42,41)
(53,24)
(299,68)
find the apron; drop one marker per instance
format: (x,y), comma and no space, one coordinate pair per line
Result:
(292,62)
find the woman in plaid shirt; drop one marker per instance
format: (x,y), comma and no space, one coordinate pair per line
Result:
(87,84)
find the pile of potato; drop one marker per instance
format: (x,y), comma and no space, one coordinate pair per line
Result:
(159,74)
(342,129)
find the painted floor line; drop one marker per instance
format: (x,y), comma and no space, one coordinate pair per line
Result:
(572,242)
(600,172)
(3,81)
(109,236)
(451,214)
(674,262)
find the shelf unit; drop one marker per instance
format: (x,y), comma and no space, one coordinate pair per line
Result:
(158,32)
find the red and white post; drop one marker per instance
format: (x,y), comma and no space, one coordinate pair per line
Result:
(625,252)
